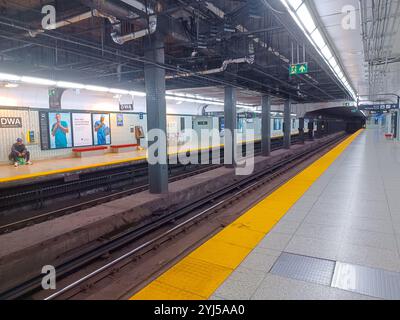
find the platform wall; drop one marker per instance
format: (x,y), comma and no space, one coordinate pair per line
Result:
(119,134)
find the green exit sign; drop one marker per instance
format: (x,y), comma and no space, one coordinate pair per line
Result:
(299,68)
(52,92)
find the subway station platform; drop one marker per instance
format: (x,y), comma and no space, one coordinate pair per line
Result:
(331,232)
(60,167)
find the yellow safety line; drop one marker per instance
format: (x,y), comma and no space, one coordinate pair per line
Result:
(102,164)
(202,271)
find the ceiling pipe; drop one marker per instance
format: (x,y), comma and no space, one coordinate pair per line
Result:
(111,11)
(63,23)
(110,8)
(138,34)
(225,64)
(78,18)
(139,6)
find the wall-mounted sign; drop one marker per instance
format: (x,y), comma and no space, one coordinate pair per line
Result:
(120,119)
(299,68)
(126,107)
(82,129)
(60,130)
(44,130)
(101,129)
(378,107)
(10,122)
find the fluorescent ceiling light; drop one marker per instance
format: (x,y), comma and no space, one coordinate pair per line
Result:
(137,93)
(295,3)
(332,62)
(337,69)
(9,77)
(119,91)
(39,81)
(302,16)
(97,88)
(70,85)
(318,39)
(326,52)
(11,85)
(306,18)
(66,84)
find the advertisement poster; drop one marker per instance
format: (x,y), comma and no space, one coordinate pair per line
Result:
(82,129)
(120,119)
(101,129)
(60,130)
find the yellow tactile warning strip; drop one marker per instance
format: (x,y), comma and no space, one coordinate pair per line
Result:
(201,272)
(102,164)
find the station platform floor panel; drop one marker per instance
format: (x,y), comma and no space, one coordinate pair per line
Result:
(330,232)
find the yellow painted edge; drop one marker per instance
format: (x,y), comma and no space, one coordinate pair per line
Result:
(97,165)
(227,249)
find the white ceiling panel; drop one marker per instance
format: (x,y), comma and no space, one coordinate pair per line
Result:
(347,44)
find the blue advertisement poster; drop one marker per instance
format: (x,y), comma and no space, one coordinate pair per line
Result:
(101,129)
(60,130)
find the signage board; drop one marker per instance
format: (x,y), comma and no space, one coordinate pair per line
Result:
(101,129)
(378,107)
(299,68)
(60,130)
(82,129)
(126,107)
(120,120)
(10,122)
(44,130)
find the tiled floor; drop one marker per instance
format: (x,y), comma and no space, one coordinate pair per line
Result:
(351,214)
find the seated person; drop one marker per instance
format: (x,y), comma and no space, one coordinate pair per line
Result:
(19,150)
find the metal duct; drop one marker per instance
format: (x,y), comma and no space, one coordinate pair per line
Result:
(84,16)
(225,64)
(110,8)
(139,6)
(138,34)
(64,23)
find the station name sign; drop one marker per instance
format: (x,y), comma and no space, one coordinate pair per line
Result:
(10,122)
(378,107)
(126,107)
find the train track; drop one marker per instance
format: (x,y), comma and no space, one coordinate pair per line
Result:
(41,217)
(187,216)
(35,195)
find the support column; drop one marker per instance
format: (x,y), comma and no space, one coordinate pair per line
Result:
(319,129)
(398,125)
(311,129)
(301,130)
(266,126)
(156,110)
(287,124)
(230,125)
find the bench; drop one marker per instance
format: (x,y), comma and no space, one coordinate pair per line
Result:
(124,148)
(89,151)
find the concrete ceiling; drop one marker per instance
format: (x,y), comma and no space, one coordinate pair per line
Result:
(382,42)
(347,44)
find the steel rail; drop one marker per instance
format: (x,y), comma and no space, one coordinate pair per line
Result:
(204,212)
(128,236)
